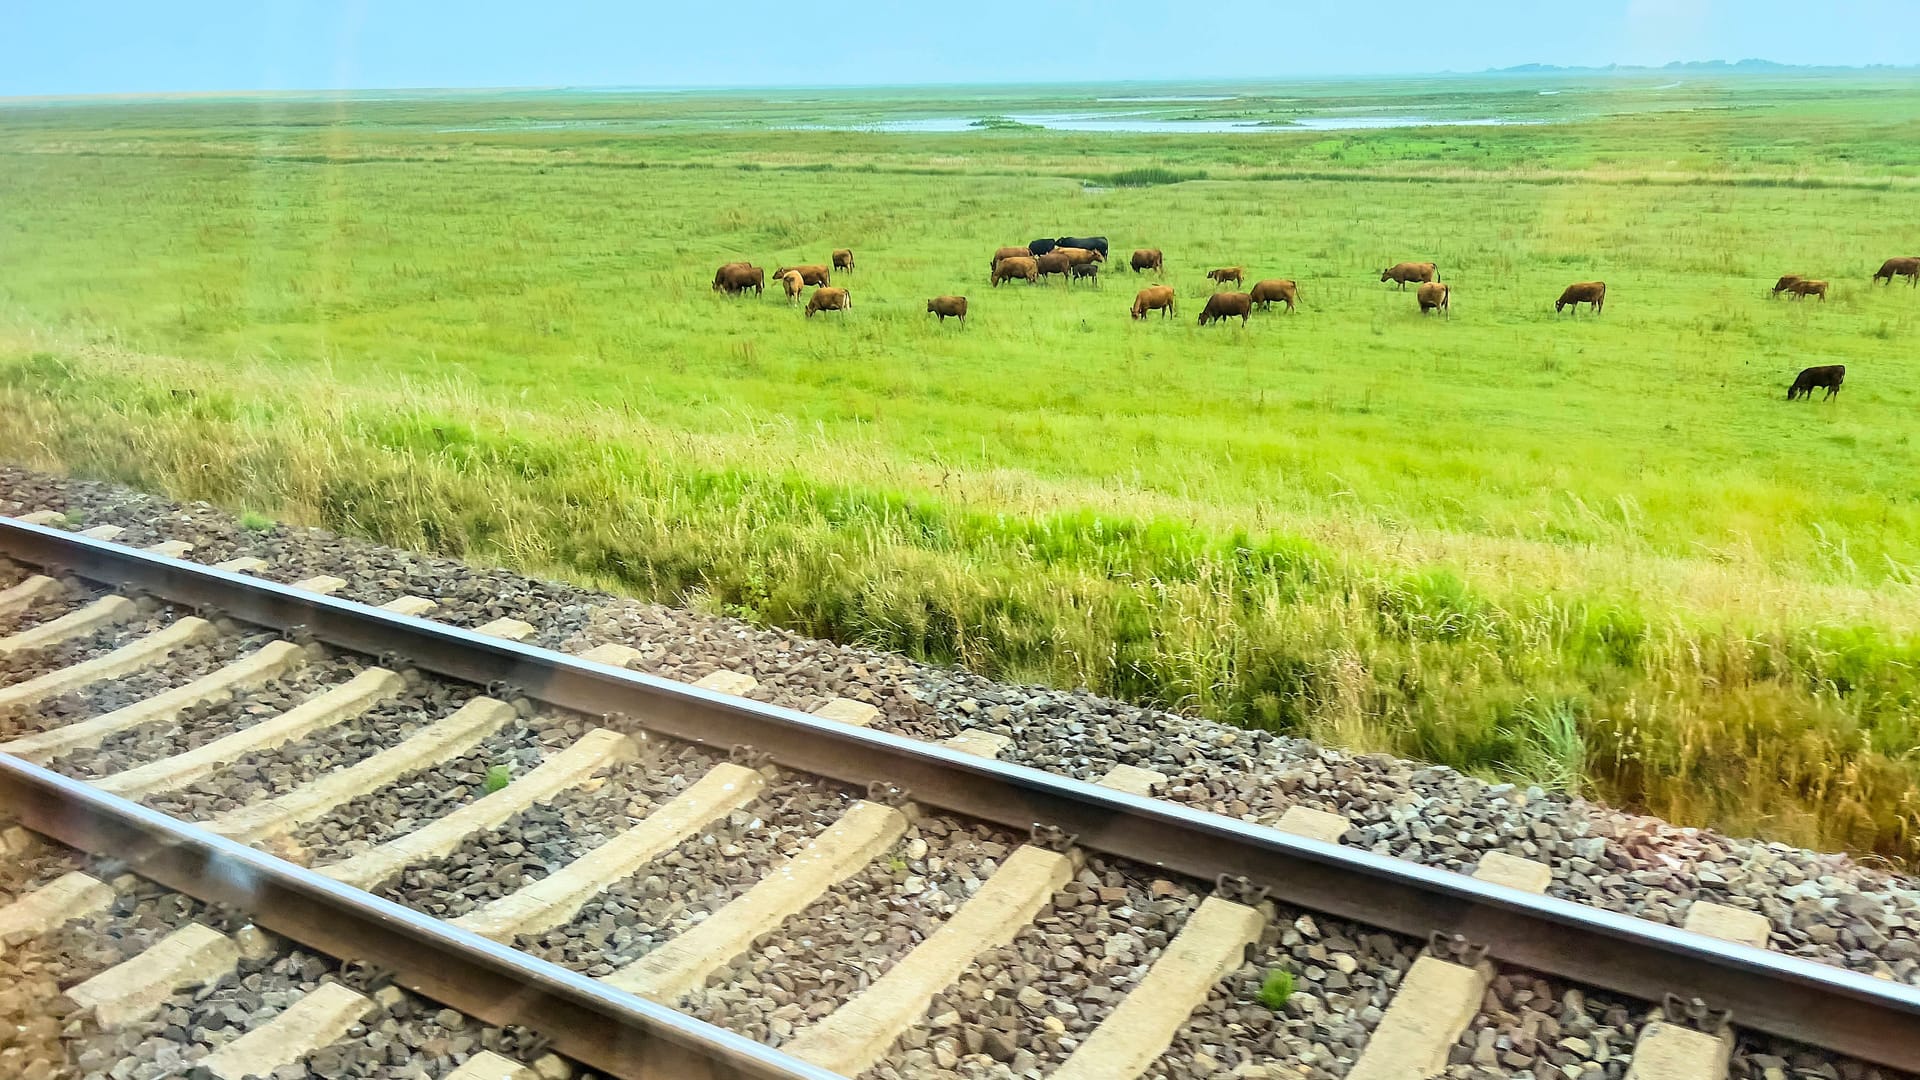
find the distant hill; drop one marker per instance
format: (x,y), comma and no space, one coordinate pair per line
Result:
(1698,67)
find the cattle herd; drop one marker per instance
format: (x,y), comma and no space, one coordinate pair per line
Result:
(1079,258)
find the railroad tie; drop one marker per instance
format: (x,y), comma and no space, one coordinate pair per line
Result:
(860,836)
(1438,998)
(848,711)
(987,744)
(1133,780)
(263,664)
(595,751)
(1671,1051)
(555,899)
(321,1017)
(727,682)
(409,605)
(1514,872)
(172,549)
(324,584)
(106,611)
(445,738)
(859,1033)
(146,652)
(1209,947)
(27,593)
(487,1065)
(510,629)
(245,564)
(103,532)
(69,896)
(613,654)
(134,988)
(1313,824)
(337,705)
(52,518)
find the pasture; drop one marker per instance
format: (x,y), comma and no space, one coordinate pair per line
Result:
(1599,552)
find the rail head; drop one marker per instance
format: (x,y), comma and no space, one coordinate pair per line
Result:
(1822,1005)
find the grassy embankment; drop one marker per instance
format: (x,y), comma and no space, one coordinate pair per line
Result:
(1600,553)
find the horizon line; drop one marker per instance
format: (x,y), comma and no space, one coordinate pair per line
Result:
(1516,70)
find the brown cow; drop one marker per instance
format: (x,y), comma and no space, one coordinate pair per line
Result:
(1224,275)
(793,282)
(843,258)
(813,274)
(944,306)
(1893,268)
(1153,297)
(1018,266)
(1080,256)
(737,277)
(1786,282)
(1053,262)
(1009,253)
(1806,287)
(1410,271)
(1282,289)
(1584,292)
(828,299)
(1146,259)
(1225,305)
(1829,376)
(1434,294)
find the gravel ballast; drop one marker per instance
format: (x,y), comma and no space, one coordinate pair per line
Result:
(1825,907)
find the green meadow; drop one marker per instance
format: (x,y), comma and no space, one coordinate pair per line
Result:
(1600,553)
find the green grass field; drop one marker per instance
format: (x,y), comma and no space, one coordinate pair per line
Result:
(1601,553)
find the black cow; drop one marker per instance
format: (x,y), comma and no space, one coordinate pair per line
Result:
(1084,270)
(1827,376)
(1091,243)
(1041,247)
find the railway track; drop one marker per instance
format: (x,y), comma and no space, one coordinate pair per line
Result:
(377,831)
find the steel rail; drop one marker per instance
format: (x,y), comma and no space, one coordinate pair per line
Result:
(1818,1004)
(608,1029)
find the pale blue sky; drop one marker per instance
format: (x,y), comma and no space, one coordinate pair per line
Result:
(56,47)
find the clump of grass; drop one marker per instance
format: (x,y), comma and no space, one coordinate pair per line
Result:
(1276,988)
(1147,176)
(498,777)
(255,521)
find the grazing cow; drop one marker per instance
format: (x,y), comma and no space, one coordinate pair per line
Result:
(1893,268)
(814,274)
(1786,282)
(1435,294)
(793,283)
(737,277)
(1053,262)
(1806,287)
(1077,256)
(1282,289)
(1410,271)
(1225,305)
(828,299)
(943,306)
(1585,292)
(1224,275)
(1041,247)
(1091,243)
(843,258)
(1827,375)
(1008,253)
(1153,297)
(1146,259)
(1018,266)
(1088,271)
